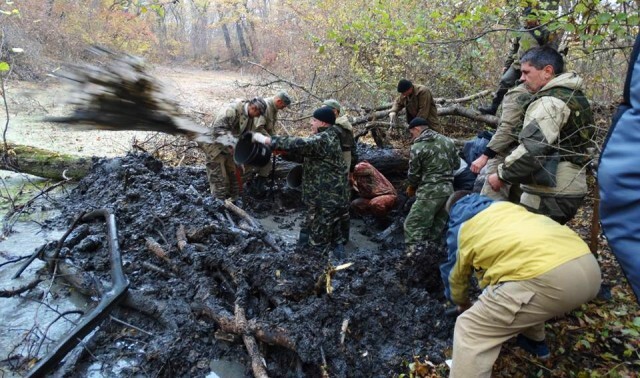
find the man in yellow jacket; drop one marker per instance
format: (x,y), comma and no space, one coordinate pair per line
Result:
(530,267)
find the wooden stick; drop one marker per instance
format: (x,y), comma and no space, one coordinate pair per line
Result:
(241,213)
(19,290)
(181,237)
(157,249)
(198,235)
(257,361)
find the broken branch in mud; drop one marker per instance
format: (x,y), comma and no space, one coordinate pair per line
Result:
(200,234)
(257,361)
(267,333)
(181,237)
(157,249)
(12,216)
(159,252)
(255,227)
(155,268)
(241,213)
(142,303)
(19,290)
(55,255)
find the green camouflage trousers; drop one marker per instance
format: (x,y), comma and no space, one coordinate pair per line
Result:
(324,225)
(221,173)
(344,226)
(425,221)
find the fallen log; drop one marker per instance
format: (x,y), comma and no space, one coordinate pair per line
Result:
(452,110)
(43,163)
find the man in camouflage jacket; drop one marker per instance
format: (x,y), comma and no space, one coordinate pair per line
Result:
(344,130)
(551,159)
(432,162)
(503,142)
(234,119)
(266,125)
(347,141)
(324,183)
(532,35)
(418,101)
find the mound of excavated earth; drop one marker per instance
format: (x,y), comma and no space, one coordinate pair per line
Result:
(208,283)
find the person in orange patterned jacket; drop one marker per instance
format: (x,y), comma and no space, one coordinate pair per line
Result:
(377,195)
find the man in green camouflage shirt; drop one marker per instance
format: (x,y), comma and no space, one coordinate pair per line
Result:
(551,159)
(266,125)
(234,119)
(503,142)
(432,162)
(324,183)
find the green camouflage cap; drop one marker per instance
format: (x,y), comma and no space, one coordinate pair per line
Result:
(284,96)
(332,104)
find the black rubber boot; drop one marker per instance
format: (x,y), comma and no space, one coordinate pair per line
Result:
(488,110)
(303,237)
(259,187)
(495,102)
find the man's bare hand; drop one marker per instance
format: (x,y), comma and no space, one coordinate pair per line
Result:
(495,182)
(479,163)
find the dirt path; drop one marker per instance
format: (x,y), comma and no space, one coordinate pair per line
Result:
(199,92)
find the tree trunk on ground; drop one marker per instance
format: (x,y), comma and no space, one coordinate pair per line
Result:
(53,165)
(43,163)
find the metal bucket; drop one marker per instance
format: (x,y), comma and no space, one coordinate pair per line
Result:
(294,177)
(248,152)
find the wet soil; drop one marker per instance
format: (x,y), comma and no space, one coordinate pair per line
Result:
(382,310)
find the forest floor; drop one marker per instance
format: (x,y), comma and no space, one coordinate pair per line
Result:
(381,316)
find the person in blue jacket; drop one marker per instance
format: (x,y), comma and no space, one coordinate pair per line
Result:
(530,267)
(619,178)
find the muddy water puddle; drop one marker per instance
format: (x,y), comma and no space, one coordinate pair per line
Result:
(288,229)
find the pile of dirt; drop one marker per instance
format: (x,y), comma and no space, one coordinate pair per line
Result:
(188,308)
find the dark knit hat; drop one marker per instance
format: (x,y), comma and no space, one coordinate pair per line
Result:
(417,122)
(259,103)
(325,114)
(404,85)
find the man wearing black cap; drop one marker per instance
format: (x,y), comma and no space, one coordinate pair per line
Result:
(418,101)
(324,183)
(432,161)
(234,119)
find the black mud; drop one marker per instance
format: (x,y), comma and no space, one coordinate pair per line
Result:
(392,308)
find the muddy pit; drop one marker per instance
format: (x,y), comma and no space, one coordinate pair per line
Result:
(183,311)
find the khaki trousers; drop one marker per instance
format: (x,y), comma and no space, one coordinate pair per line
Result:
(508,309)
(221,173)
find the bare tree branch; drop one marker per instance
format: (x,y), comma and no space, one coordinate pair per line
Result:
(280,80)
